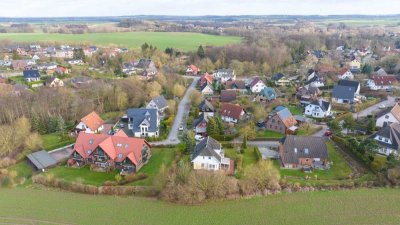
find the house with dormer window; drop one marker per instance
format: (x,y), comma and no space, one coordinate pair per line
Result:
(388,139)
(143,122)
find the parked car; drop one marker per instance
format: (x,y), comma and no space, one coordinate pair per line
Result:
(328,133)
(382,106)
(198,137)
(180,127)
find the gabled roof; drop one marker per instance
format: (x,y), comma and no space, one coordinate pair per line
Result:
(255,81)
(349,83)
(93,121)
(206,78)
(278,76)
(296,147)
(268,93)
(321,103)
(385,80)
(343,71)
(204,86)
(141,115)
(206,106)
(203,118)
(41,159)
(193,68)
(31,74)
(160,101)
(235,84)
(287,118)
(231,110)
(391,132)
(228,95)
(207,147)
(396,111)
(343,92)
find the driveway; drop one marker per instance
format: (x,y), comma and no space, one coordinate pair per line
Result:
(321,133)
(180,118)
(61,153)
(375,108)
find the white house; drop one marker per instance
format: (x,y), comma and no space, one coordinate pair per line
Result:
(382,82)
(209,155)
(346,91)
(75,62)
(159,103)
(224,75)
(257,85)
(388,139)
(206,89)
(91,123)
(345,74)
(318,109)
(143,122)
(388,116)
(231,113)
(315,80)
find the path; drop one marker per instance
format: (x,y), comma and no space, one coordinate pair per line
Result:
(61,154)
(180,117)
(375,108)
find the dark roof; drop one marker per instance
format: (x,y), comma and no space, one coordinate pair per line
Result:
(228,95)
(41,160)
(322,103)
(231,111)
(349,83)
(202,118)
(277,76)
(268,93)
(31,74)
(343,92)
(160,101)
(137,116)
(235,84)
(50,80)
(255,81)
(206,148)
(295,147)
(206,106)
(391,132)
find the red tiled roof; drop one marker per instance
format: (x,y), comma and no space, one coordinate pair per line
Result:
(93,121)
(206,78)
(385,80)
(231,110)
(194,68)
(343,71)
(228,95)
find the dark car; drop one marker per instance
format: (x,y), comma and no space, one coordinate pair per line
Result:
(328,133)
(260,123)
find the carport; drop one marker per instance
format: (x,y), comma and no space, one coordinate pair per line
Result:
(41,160)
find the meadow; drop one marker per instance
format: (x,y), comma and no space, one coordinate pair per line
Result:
(182,41)
(361,206)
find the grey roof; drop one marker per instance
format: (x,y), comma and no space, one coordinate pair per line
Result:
(42,160)
(284,114)
(138,115)
(225,72)
(277,76)
(391,132)
(202,118)
(206,106)
(349,83)
(160,101)
(31,74)
(306,147)
(323,104)
(206,148)
(343,92)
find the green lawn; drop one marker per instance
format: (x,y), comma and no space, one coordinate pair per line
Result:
(339,169)
(22,168)
(55,140)
(269,134)
(295,110)
(184,41)
(249,157)
(353,207)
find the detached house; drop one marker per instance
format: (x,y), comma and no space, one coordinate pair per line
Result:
(143,122)
(237,85)
(200,124)
(346,91)
(298,152)
(280,79)
(315,80)
(205,79)
(224,75)
(307,94)
(207,89)
(281,121)
(207,108)
(192,70)
(318,109)
(159,103)
(110,152)
(345,74)
(31,75)
(256,85)
(391,115)
(228,95)
(209,155)
(388,139)
(384,82)
(355,66)
(91,123)
(266,95)
(54,82)
(231,113)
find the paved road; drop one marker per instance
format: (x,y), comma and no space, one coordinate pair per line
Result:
(321,133)
(375,108)
(180,118)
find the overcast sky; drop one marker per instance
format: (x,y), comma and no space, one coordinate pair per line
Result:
(67,8)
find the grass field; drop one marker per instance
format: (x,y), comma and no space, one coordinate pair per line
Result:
(183,41)
(269,134)
(55,140)
(362,206)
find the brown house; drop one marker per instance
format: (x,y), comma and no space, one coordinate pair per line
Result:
(282,122)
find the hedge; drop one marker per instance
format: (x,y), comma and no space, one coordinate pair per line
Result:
(227,137)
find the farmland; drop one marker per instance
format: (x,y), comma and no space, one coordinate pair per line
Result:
(362,206)
(162,40)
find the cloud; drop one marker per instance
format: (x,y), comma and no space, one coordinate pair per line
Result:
(66,8)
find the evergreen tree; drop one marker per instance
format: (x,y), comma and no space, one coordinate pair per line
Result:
(371,125)
(220,125)
(211,127)
(200,52)
(367,69)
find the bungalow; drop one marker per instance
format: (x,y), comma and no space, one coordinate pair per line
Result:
(159,103)
(223,75)
(388,139)
(231,113)
(391,115)
(207,108)
(143,122)
(209,155)
(298,152)
(383,82)
(206,89)
(256,85)
(54,82)
(200,124)
(281,121)
(91,123)
(31,75)
(346,91)
(238,85)
(318,109)
(228,95)
(280,80)
(192,70)
(267,94)
(345,74)
(110,152)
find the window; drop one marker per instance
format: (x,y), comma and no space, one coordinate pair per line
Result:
(120,155)
(386,140)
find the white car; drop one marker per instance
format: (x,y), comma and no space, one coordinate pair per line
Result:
(180,128)
(382,106)
(198,137)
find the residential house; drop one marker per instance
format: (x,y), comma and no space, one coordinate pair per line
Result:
(62,70)
(209,155)
(315,80)
(91,123)
(144,122)
(54,82)
(228,95)
(388,139)
(207,108)
(256,85)
(280,79)
(281,121)
(231,113)
(390,115)
(159,103)
(19,64)
(355,66)
(345,74)
(298,152)
(267,94)
(318,109)
(47,66)
(238,85)
(205,79)
(382,82)
(206,89)
(63,53)
(146,68)
(110,152)
(307,94)
(81,82)
(380,71)
(200,124)
(223,75)
(346,91)
(75,62)
(192,70)
(31,75)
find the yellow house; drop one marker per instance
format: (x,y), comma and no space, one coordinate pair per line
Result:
(355,65)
